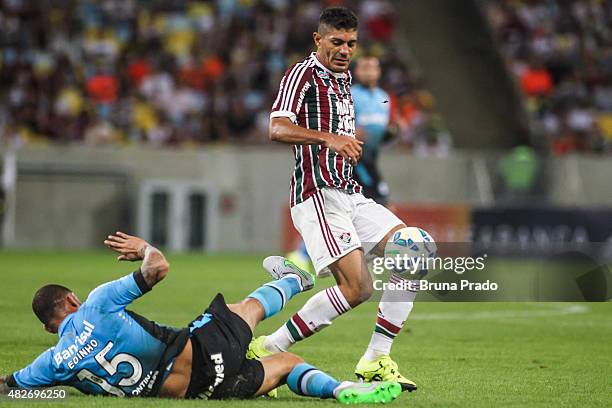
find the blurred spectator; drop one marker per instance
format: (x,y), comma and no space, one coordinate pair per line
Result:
(178,72)
(536,80)
(420,125)
(102,88)
(101,133)
(561,53)
(138,70)
(519,177)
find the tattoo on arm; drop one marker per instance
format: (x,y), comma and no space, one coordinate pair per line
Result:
(154,265)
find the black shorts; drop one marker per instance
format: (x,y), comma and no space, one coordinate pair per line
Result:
(220,369)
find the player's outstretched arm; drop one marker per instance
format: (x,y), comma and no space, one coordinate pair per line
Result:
(154,266)
(284,131)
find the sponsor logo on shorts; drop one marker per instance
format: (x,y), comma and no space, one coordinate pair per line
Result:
(217,360)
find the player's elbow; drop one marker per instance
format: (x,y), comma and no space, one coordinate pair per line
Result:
(274,132)
(164,267)
(277,129)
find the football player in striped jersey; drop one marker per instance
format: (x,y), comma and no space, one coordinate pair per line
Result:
(314,113)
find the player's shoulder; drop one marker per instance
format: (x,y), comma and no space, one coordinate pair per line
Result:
(381,92)
(360,93)
(95,291)
(357,89)
(301,69)
(96,298)
(103,293)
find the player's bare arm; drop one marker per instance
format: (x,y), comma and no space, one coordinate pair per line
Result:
(284,131)
(154,266)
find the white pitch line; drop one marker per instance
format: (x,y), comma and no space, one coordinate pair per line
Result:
(544,310)
(564,310)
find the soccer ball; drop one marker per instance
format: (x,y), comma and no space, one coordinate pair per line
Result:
(407,251)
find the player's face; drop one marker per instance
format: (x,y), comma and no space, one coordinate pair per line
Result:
(368,71)
(335,48)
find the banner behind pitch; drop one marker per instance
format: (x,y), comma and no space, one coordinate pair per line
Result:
(541,231)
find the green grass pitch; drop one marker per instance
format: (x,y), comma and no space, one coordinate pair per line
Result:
(460,354)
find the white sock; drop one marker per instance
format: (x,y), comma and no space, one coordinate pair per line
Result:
(393,310)
(318,313)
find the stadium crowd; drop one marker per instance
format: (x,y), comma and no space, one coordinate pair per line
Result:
(560,52)
(178,72)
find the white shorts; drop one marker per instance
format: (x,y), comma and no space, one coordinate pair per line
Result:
(332,223)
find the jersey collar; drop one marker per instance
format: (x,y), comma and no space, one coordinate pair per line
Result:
(318,64)
(62,327)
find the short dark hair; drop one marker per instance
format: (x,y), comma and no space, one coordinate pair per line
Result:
(339,18)
(47,302)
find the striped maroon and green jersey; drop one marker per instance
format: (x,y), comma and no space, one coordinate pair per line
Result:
(316,98)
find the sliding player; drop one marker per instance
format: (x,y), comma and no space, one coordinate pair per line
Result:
(104,348)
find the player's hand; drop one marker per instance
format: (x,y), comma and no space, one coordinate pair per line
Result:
(4,388)
(131,248)
(345,146)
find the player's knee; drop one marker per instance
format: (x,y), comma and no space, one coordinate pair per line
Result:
(356,293)
(365,292)
(290,360)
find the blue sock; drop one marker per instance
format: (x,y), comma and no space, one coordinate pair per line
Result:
(303,251)
(274,295)
(304,379)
